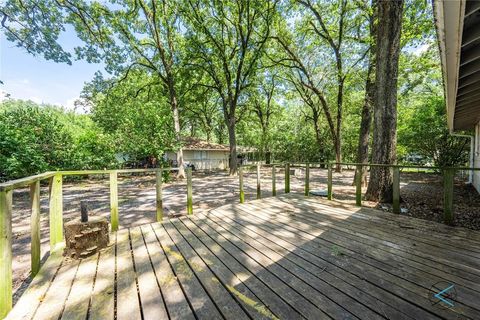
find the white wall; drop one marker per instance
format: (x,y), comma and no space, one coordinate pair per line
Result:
(204,160)
(476,174)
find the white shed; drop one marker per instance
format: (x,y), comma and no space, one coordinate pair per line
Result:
(203,155)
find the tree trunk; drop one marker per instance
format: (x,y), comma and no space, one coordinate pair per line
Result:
(176,122)
(365,124)
(233,144)
(385,108)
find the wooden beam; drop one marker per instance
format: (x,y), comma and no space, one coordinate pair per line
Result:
(274,181)
(469,69)
(471,8)
(287,178)
(470,80)
(35,228)
(189,191)
(56,212)
(358,185)
(5,252)
(330,182)
(114,200)
(448,179)
(307,179)
(158,194)
(467,91)
(259,187)
(470,36)
(240,183)
(469,55)
(396,190)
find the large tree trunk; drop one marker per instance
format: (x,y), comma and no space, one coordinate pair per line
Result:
(385,112)
(232,139)
(365,124)
(176,123)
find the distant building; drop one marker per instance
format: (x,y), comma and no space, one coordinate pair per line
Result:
(203,155)
(458,30)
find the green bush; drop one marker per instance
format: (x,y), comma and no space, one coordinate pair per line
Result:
(35,139)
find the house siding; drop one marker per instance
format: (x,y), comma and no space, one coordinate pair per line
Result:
(476,174)
(204,159)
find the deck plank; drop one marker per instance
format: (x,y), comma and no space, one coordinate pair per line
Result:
(324,259)
(128,304)
(329,298)
(244,296)
(150,295)
(363,222)
(291,289)
(219,294)
(380,249)
(33,296)
(78,301)
(357,301)
(175,300)
(202,304)
(262,290)
(400,286)
(102,305)
(53,303)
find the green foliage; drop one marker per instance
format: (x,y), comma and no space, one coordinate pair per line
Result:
(423,132)
(48,140)
(135,113)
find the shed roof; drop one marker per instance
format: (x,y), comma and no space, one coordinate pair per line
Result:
(199,144)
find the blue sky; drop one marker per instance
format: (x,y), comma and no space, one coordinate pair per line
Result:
(28,77)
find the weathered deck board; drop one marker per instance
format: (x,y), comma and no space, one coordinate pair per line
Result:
(128,304)
(78,302)
(103,304)
(289,257)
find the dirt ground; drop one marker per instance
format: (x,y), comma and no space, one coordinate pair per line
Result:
(422,197)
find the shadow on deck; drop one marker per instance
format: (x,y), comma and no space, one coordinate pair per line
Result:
(288,257)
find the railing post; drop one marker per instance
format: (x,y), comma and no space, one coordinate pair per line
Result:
(274,182)
(35,228)
(307,179)
(287,178)
(114,200)
(5,252)
(358,186)
(56,211)
(329,182)
(396,190)
(189,191)
(240,182)
(259,187)
(448,176)
(158,189)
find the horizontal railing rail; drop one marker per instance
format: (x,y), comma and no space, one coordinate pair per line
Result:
(55,179)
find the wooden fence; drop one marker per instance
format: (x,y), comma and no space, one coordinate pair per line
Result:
(55,180)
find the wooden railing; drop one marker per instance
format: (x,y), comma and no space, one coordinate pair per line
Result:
(447,172)
(56,216)
(56,204)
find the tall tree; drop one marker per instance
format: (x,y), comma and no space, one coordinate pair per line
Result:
(322,55)
(385,113)
(124,34)
(227,42)
(367,109)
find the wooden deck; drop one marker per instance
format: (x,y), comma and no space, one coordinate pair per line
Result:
(288,257)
